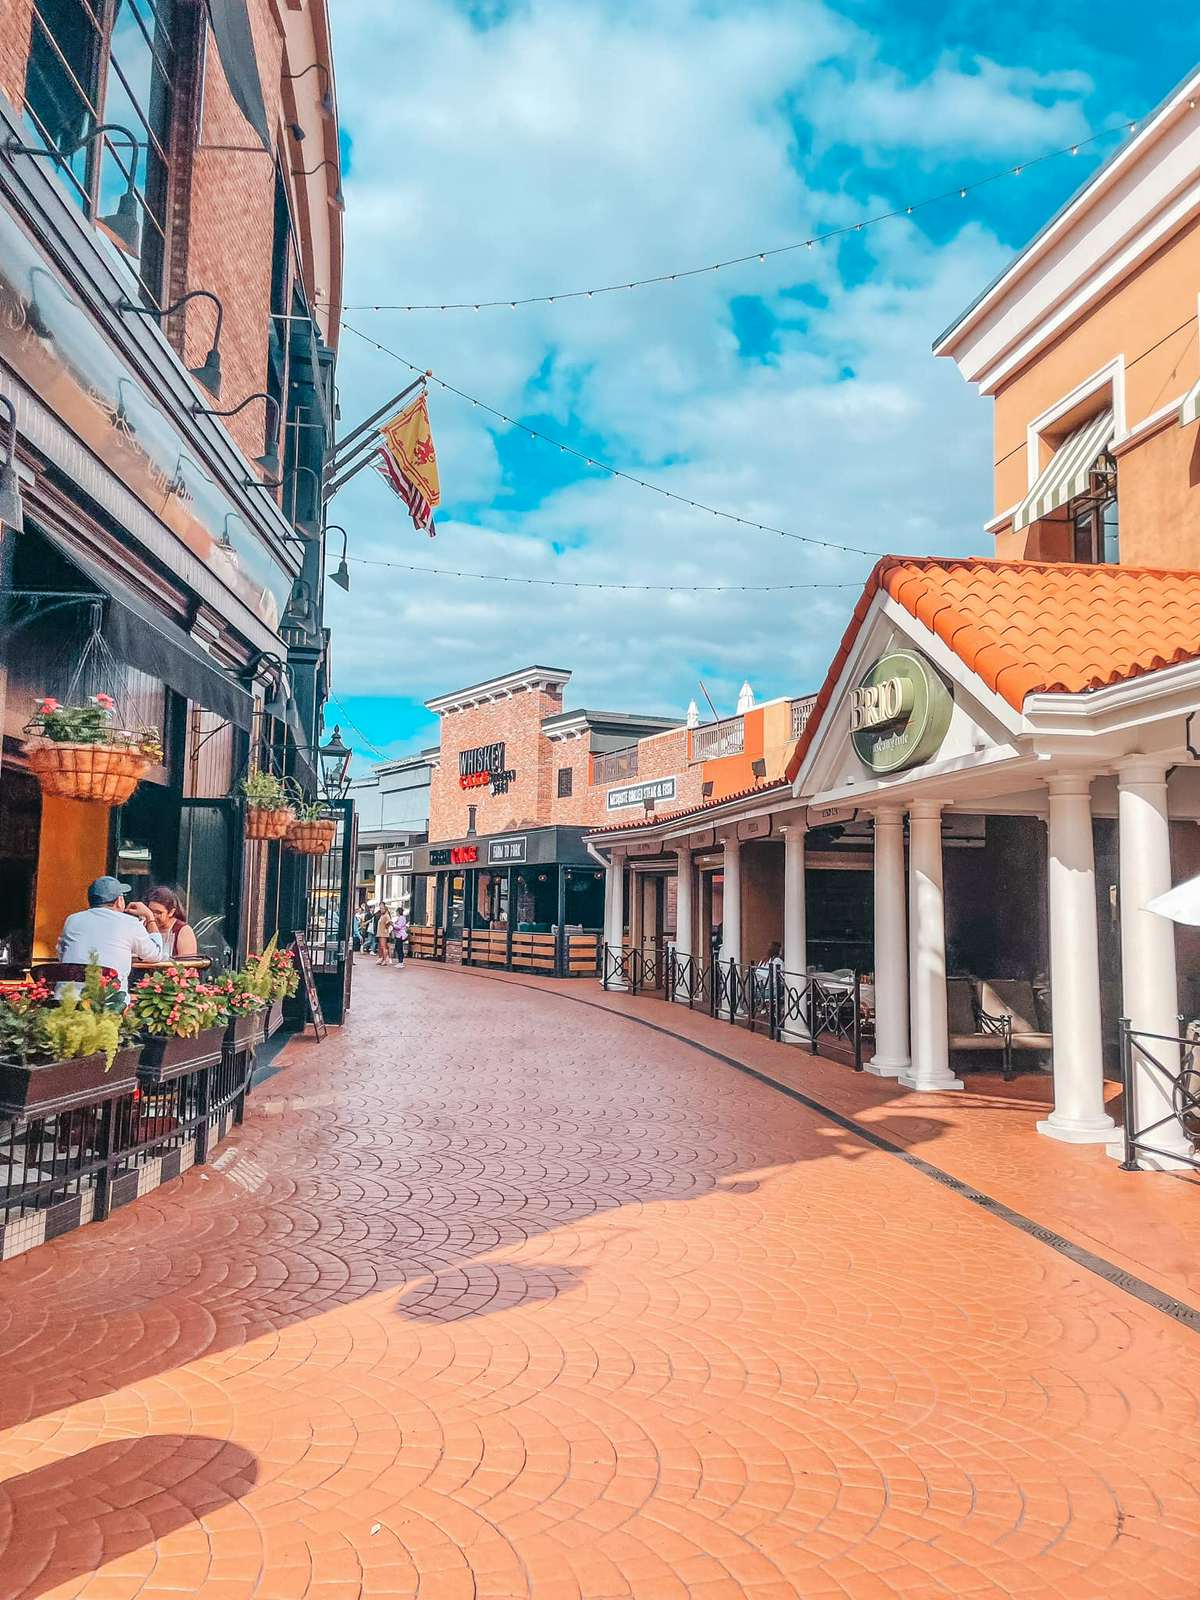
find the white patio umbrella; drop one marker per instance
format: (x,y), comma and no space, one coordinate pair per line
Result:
(1180,904)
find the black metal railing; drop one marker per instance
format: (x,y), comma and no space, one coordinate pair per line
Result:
(1171,1063)
(823,1008)
(86,1152)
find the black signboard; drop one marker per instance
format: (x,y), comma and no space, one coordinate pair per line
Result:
(502,852)
(304,961)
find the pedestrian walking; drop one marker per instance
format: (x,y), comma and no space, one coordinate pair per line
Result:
(383,935)
(400,934)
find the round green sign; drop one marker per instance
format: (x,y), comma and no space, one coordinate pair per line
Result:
(899,713)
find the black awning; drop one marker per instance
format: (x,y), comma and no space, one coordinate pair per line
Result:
(235,46)
(142,637)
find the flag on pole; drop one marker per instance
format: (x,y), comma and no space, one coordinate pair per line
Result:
(407,461)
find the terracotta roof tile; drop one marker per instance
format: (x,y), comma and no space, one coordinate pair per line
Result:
(1031,627)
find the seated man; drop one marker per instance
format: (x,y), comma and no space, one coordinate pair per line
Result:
(111,932)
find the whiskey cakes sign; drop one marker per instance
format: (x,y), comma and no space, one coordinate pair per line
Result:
(483,768)
(899,713)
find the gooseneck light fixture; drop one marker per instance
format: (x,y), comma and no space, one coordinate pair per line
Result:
(342,576)
(124,224)
(269,460)
(339,199)
(209,372)
(326,94)
(309,529)
(12,512)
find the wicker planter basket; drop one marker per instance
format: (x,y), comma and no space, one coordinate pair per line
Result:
(312,838)
(268,823)
(105,773)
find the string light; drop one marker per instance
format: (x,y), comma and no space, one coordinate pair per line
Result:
(616,472)
(960,190)
(581,583)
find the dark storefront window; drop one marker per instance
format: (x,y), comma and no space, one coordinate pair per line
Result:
(84,70)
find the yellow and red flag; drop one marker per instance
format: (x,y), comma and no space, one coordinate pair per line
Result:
(408,461)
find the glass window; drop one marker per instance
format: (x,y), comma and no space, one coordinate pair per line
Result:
(565,778)
(72,52)
(61,79)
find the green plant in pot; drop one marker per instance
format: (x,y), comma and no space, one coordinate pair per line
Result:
(269,810)
(312,831)
(57,1053)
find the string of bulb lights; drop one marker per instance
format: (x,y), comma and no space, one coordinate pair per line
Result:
(603,466)
(959,191)
(580,583)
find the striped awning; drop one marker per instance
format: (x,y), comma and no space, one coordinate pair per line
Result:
(1069,470)
(1189,411)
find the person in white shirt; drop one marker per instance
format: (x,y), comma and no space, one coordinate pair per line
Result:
(111,931)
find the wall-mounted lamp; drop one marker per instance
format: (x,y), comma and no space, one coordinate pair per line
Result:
(339,199)
(335,766)
(276,702)
(209,372)
(326,95)
(307,528)
(342,576)
(125,222)
(269,460)
(12,512)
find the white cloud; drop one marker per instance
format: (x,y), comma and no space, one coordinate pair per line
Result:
(569,143)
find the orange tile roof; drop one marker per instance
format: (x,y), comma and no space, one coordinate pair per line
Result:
(1030,627)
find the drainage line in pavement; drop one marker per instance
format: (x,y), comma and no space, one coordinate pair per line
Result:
(1178,1310)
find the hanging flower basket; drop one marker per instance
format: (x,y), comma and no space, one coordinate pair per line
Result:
(313,837)
(78,753)
(268,822)
(105,773)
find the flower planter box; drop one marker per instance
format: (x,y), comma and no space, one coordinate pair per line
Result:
(166,1058)
(274,1018)
(105,773)
(48,1087)
(263,822)
(243,1033)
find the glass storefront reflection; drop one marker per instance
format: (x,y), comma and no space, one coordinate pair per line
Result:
(56,347)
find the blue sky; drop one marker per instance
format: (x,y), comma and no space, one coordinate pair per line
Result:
(497,150)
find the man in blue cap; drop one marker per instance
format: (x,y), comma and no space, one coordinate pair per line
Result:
(111,931)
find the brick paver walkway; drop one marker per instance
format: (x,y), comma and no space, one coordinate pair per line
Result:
(498,1296)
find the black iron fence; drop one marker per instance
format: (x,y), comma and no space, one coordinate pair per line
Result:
(68,1167)
(825,1009)
(1162,1068)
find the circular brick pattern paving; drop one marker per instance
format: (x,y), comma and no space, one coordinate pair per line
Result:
(494,1296)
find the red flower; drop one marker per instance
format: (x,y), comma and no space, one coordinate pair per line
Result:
(48,705)
(105,700)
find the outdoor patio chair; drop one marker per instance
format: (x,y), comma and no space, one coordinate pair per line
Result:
(974,1027)
(1014,998)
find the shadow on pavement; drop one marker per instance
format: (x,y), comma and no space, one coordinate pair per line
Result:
(63,1521)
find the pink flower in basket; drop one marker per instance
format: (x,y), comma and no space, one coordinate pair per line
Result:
(48,705)
(106,701)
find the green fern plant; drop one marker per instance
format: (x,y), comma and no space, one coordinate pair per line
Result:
(71,1028)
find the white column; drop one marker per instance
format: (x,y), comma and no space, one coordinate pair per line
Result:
(891,1056)
(683,911)
(1079,1116)
(614,909)
(637,906)
(795,932)
(731,901)
(929,1068)
(1150,991)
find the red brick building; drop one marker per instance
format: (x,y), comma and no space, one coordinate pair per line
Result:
(151,152)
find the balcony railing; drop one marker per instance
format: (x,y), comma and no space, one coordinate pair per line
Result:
(801,711)
(715,739)
(615,765)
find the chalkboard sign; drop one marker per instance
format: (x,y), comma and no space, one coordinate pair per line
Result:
(304,961)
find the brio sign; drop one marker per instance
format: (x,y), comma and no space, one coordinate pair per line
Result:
(899,713)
